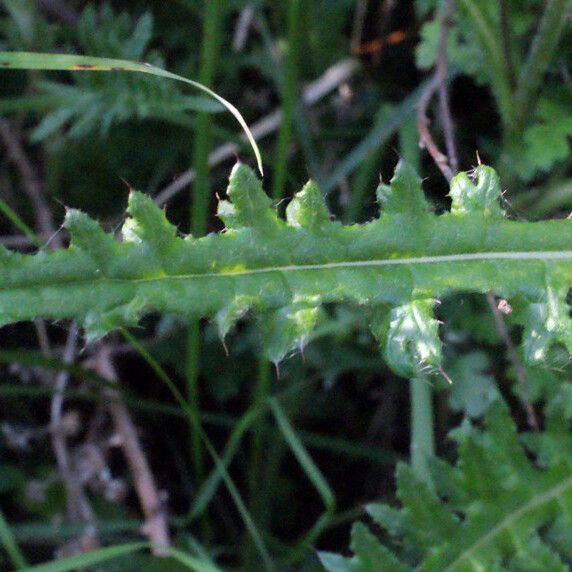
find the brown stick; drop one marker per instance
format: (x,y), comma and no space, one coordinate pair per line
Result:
(514,358)
(156,526)
(77,503)
(447,165)
(442,73)
(425,139)
(78,506)
(31,181)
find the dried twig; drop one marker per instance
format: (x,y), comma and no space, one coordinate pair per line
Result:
(31,180)
(156,526)
(243,26)
(425,139)
(442,73)
(358,25)
(447,165)
(514,358)
(328,81)
(78,506)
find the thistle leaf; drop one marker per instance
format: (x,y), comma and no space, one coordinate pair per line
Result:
(308,209)
(546,324)
(480,198)
(250,207)
(403,262)
(288,329)
(410,338)
(403,195)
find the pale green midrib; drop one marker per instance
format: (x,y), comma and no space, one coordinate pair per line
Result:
(512,256)
(465,257)
(535,502)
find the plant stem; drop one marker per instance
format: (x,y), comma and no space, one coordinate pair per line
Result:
(199,207)
(422,446)
(507,41)
(287,86)
(202,139)
(288,100)
(422,430)
(539,57)
(491,45)
(261,395)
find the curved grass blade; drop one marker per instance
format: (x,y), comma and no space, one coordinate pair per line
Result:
(9,543)
(70,62)
(219,463)
(13,217)
(310,469)
(103,554)
(89,558)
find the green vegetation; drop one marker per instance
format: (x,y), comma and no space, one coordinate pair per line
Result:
(270,388)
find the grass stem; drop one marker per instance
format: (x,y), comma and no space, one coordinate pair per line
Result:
(199,211)
(288,88)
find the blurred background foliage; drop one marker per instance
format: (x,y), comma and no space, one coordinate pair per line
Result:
(346,76)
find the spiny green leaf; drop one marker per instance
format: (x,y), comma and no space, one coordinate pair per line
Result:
(410,338)
(371,555)
(148,224)
(88,235)
(492,509)
(388,517)
(250,206)
(288,329)
(403,195)
(547,323)
(481,198)
(284,271)
(308,209)
(428,519)
(227,316)
(472,390)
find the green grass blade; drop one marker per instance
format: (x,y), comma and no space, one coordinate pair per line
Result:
(13,217)
(89,558)
(210,485)
(192,562)
(65,62)
(299,451)
(314,475)
(231,487)
(103,554)
(200,195)
(8,541)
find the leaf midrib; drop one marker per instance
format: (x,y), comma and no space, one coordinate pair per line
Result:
(536,501)
(546,256)
(463,257)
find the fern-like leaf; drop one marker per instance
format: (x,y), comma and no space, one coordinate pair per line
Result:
(493,510)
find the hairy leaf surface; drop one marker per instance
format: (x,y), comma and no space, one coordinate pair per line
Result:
(398,266)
